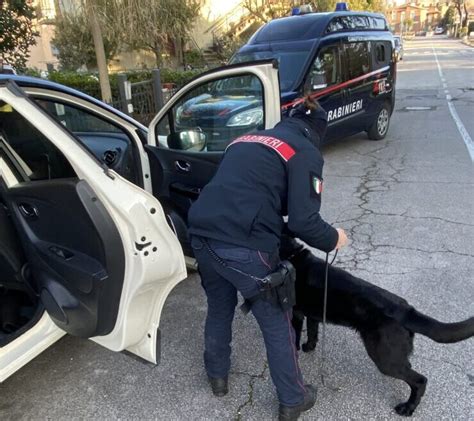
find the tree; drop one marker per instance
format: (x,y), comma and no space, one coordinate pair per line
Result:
(154,25)
(266,10)
(74,41)
(16,32)
(448,18)
(92,15)
(461,8)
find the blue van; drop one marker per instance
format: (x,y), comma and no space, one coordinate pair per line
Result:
(344,59)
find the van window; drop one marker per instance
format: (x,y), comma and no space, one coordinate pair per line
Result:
(344,23)
(289,63)
(357,59)
(325,70)
(378,23)
(382,54)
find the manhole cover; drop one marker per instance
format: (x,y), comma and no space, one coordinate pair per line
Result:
(418,108)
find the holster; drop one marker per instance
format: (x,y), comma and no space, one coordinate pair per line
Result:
(277,287)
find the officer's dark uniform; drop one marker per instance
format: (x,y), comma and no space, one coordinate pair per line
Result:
(239,216)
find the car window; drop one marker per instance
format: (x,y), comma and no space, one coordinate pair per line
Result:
(211,115)
(108,142)
(325,70)
(77,119)
(357,59)
(39,159)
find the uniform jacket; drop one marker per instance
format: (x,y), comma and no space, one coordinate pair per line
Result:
(254,187)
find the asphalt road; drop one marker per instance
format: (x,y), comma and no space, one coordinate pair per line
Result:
(408,204)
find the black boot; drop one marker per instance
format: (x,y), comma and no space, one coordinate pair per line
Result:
(219,386)
(291,413)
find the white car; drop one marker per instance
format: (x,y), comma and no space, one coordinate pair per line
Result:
(93,212)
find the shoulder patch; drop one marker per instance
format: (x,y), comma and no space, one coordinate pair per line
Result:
(316,184)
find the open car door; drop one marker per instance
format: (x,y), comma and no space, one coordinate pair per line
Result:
(187,139)
(101,256)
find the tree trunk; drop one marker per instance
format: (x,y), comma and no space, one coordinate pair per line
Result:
(458,8)
(99,52)
(157,53)
(178,50)
(57,9)
(466,16)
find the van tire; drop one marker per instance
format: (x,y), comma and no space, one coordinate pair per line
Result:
(379,128)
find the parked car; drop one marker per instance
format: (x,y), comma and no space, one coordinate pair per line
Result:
(93,211)
(439,31)
(6,69)
(398,50)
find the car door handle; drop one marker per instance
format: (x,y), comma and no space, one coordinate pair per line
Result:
(182,166)
(28,210)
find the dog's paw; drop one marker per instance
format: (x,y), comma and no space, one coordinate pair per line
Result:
(404,409)
(308,347)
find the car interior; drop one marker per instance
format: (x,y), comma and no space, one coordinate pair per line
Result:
(41,251)
(20,308)
(109,143)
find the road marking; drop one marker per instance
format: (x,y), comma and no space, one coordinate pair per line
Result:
(417,108)
(454,114)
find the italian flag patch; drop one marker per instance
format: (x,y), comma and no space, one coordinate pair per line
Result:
(317,185)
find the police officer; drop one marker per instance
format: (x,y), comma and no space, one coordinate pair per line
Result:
(236,226)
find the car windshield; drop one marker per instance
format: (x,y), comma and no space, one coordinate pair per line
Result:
(290,64)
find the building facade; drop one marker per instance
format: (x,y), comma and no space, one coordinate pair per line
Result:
(420,15)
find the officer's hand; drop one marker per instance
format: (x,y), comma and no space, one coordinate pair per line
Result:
(342,241)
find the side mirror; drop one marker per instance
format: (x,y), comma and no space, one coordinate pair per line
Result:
(187,140)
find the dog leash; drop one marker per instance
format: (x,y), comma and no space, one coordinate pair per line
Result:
(323,341)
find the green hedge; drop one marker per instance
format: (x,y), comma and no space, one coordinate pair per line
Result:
(89,83)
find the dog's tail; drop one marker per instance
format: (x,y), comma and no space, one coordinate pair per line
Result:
(436,330)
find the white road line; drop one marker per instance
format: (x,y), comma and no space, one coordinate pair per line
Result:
(454,114)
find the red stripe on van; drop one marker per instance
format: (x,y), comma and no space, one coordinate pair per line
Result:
(335,87)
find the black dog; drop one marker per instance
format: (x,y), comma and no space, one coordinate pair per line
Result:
(386,322)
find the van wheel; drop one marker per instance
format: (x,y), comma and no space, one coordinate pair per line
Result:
(379,127)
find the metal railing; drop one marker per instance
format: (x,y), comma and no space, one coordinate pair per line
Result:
(141,100)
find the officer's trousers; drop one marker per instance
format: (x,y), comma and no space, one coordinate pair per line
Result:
(221,284)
